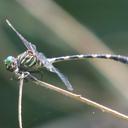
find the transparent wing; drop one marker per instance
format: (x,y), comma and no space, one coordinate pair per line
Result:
(63,78)
(51,68)
(28,45)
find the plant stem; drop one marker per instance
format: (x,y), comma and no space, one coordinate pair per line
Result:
(79,98)
(20,103)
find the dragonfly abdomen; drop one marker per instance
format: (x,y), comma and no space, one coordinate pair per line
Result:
(29,62)
(122,59)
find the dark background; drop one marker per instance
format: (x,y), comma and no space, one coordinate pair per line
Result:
(107,21)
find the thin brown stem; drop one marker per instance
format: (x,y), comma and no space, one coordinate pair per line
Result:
(20,103)
(79,98)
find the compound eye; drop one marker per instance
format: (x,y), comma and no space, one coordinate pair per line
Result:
(9,63)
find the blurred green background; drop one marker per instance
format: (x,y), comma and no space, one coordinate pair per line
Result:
(58,28)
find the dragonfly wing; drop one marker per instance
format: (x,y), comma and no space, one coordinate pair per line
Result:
(63,78)
(51,68)
(27,44)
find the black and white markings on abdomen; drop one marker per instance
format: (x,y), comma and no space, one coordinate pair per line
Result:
(122,59)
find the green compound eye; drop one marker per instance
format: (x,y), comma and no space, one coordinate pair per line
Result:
(9,60)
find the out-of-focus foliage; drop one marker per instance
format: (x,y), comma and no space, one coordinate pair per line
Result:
(108,20)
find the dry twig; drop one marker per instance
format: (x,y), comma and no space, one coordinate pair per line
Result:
(79,98)
(66,93)
(20,103)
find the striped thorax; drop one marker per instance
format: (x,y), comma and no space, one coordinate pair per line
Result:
(28,62)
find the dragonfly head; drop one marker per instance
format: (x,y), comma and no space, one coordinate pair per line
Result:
(11,63)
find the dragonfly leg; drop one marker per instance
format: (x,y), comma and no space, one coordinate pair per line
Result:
(23,75)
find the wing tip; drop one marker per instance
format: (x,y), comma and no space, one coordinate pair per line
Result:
(8,22)
(69,86)
(10,25)
(70,89)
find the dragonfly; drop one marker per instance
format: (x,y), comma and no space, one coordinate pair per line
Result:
(31,60)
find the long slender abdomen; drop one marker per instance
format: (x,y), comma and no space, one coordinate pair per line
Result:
(122,59)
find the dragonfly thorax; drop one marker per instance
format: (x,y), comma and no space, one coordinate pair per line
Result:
(11,63)
(28,61)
